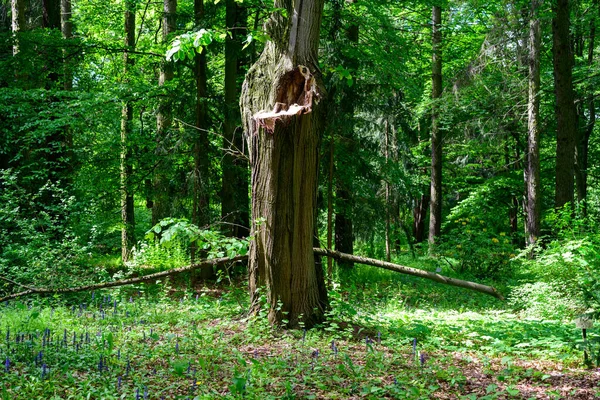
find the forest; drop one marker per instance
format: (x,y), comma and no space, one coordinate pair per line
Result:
(312,199)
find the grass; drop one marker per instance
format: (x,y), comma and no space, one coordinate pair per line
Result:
(394,337)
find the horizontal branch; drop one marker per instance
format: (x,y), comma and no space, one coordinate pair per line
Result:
(218,261)
(129,281)
(410,271)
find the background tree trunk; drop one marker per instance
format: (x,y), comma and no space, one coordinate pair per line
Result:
(532,168)
(66,27)
(127,206)
(284,153)
(51,14)
(565,106)
(161,197)
(234,189)
(435,213)
(344,230)
(17,9)
(201,201)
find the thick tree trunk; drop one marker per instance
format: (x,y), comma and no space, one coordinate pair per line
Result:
(161,198)
(565,107)
(532,168)
(435,213)
(282,121)
(234,189)
(127,206)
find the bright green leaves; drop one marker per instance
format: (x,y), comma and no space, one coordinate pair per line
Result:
(186,46)
(171,231)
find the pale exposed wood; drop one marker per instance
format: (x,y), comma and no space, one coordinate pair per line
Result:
(411,271)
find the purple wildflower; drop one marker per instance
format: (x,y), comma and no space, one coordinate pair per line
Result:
(422,359)
(119,383)
(414,346)
(7,364)
(137,394)
(44,370)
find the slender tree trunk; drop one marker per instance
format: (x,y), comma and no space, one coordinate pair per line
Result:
(283,120)
(127,206)
(66,27)
(17,9)
(419,218)
(532,168)
(582,149)
(565,107)
(161,204)
(201,205)
(234,189)
(435,213)
(330,207)
(344,231)
(388,240)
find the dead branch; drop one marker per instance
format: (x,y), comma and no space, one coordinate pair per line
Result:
(218,261)
(129,281)
(410,271)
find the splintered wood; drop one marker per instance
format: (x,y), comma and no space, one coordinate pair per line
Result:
(295,94)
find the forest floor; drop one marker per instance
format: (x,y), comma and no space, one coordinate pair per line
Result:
(149,342)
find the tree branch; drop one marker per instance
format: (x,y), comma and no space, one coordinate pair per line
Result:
(123,282)
(411,271)
(218,261)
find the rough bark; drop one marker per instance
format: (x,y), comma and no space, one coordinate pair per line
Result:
(234,189)
(201,147)
(282,121)
(161,198)
(565,106)
(344,231)
(582,149)
(127,206)
(435,213)
(532,168)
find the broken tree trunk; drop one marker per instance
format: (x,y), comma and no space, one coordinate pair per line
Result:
(219,261)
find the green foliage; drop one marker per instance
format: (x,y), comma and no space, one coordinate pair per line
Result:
(477,234)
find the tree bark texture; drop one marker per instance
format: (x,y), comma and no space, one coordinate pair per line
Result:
(565,107)
(344,230)
(127,206)
(435,213)
(201,148)
(161,198)
(532,168)
(282,121)
(234,189)
(582,149)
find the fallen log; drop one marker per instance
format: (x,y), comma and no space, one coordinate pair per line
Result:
(410,271)
(219,261)
(128,281)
